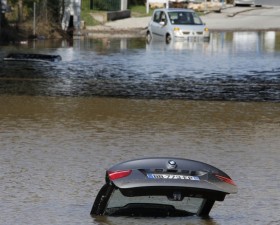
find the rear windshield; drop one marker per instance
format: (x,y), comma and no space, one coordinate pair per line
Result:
(184,18)
(120,205)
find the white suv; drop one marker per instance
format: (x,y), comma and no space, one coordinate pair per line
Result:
(176,24)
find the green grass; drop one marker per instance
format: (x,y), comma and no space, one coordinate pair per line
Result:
(136,11)
(140,11)
(89,20)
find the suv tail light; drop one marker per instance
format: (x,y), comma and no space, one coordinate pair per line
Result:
(225,179)
(114,175)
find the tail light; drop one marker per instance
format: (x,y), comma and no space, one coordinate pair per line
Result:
(225,179)
(114,175)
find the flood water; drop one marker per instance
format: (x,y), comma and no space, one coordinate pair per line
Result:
(109,100)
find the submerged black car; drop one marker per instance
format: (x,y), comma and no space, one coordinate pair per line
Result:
(160,187)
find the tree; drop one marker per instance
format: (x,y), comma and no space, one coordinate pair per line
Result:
(137,2)
(20,11)
(47,9)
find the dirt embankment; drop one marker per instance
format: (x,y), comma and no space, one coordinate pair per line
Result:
(228,19)
(16,33)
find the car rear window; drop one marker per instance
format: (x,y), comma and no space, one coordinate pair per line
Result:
(184,18)
(119,201)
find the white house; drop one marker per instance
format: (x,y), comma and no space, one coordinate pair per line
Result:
(3,5)
(72,14)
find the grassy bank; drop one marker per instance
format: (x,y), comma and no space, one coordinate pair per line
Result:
(136,11)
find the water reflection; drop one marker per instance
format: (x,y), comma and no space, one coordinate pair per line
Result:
(270,41)
(247,41)
(240,66)
(241,41)
(54,152)
(143,221)
(256,42)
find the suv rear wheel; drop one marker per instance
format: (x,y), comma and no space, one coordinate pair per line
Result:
(148,37)
(168,38)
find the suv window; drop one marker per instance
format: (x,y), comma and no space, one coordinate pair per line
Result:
(159,16)
(197,19)
(119,203)
(184,18)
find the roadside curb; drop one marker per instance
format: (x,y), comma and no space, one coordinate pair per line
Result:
(137,27)
(247,10)
(115,32)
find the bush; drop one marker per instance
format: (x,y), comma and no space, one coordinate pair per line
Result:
(136,2)
(107,5)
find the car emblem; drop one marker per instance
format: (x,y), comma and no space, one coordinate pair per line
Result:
(171,164)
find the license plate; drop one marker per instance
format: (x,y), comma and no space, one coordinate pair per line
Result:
(172,177)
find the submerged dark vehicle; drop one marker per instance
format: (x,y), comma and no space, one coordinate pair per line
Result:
(32,57)
(161,187)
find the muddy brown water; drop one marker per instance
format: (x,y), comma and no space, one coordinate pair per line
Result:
(56,141)
(54,152)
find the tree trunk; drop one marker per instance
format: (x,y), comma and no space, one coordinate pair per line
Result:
(20,11)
